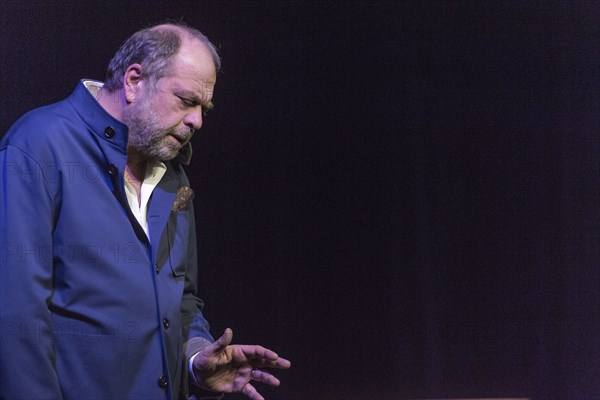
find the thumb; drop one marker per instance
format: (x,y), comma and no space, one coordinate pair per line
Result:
(226,338)
(220,343)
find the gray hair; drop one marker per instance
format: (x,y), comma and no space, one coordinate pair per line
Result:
(153,48)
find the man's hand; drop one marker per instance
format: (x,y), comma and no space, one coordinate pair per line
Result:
(228,368)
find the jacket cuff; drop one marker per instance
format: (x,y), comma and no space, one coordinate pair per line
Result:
(190,385)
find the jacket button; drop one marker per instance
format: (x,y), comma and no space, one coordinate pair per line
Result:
(166,323)
(162,382)
(156,268)
(109,132)
(112,170)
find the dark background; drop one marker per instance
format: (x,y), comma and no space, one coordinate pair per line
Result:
(400,197)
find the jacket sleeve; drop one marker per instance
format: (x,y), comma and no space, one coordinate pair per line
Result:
(27,213)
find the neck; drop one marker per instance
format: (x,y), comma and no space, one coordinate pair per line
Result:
(135,171)
(136,165)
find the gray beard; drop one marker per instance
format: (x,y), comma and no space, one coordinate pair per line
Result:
(146,136)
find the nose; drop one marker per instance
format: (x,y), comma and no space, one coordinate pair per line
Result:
(193,119)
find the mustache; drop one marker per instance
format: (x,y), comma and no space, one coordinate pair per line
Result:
(183,134)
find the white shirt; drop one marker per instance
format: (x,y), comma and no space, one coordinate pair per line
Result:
(139,206)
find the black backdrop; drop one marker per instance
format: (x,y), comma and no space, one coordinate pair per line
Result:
(401,197)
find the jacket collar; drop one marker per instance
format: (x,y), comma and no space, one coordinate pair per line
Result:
(105,126)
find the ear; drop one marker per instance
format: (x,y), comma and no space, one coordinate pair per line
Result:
(132,82)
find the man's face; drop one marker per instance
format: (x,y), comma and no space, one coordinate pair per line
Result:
(167,112)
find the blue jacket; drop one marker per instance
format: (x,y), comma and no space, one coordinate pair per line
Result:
(90,308)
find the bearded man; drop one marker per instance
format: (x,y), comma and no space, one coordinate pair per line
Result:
(98,272)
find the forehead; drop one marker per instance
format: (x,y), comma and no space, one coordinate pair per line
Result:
(192,69)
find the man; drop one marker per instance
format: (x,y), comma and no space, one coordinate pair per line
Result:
(98,270)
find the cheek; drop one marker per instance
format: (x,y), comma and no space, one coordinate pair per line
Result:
(170,118)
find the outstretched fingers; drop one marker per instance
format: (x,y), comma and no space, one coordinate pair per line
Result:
(265,377)
(251,392)
(262,357)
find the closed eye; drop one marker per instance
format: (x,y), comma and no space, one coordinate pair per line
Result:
(187,102)
(192,102)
